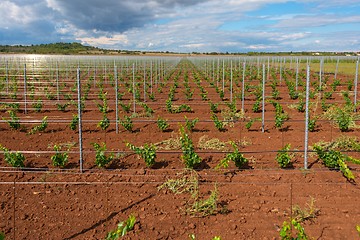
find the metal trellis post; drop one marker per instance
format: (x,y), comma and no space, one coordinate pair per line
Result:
(80,120)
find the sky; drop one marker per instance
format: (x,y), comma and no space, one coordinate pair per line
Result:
(185,25)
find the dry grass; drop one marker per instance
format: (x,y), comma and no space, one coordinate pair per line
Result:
(216,144)
(172,143)
(213,144)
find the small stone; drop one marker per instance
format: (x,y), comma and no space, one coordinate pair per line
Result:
(275,210)
(24,216)
(256,207)
(233,226)
(141,171)
(137,227)
(192,226)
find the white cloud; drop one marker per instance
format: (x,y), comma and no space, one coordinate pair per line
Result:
(302,21)
(12,14)
(176,25)
(105,41)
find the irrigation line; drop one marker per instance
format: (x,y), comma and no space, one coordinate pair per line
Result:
(208,182)
(165,172)
(90,121)
(128,152)
(193,102)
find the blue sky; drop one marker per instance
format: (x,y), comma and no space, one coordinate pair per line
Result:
(185,25)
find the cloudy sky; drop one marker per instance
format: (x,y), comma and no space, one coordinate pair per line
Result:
(185,25)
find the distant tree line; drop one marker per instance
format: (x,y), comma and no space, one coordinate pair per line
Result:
(78,48)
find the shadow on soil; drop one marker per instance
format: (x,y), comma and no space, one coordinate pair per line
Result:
(160,164)
(112,215)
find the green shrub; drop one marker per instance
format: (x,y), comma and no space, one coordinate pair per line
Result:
(312,124)
(38,105)
(59,159)
(62,107)
(343,119)
(334,160)
(15,159)
(162,124)
(218,124)
(14,121)
(74,122)
(283,157)
(236,156)
(256,107)
(104,122)
(147,153)
(127,123)
(190,158)
(40,128)
(101,158)
(285,232)
(214,107)
(190,124)
(122,228)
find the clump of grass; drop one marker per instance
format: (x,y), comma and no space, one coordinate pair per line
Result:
(172,143)
(344,117)
(185,182)
(309,212)
(198,205)
(212,144)
(205,207)
(342,143)
(230,117)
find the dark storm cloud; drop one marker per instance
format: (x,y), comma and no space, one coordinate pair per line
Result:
(114,15)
